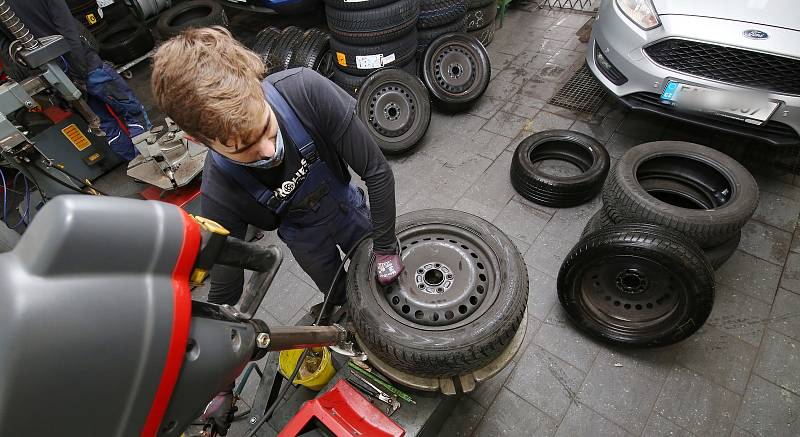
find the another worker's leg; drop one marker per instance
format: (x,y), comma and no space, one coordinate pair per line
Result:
(119,141)
(318,256)
(107,85)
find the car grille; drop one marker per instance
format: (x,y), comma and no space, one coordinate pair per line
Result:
(727,64)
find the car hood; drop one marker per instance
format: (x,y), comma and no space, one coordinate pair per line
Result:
(780,13)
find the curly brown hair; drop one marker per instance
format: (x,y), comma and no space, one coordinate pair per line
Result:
(210,85)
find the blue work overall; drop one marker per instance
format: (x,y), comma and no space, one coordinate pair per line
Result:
(317,211)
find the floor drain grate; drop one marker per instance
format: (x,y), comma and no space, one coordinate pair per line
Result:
(582,92)
(578,5)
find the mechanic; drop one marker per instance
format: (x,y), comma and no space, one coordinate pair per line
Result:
(280,151)
(108,94)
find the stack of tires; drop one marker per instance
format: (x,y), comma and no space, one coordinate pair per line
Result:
(698,191)
(293,47)
(480,20)
(369,35)
(643,272)
(438,17)
(88,14)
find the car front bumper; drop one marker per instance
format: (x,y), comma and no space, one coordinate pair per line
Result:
(622,42)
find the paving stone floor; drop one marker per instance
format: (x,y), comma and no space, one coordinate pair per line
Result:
(739,375)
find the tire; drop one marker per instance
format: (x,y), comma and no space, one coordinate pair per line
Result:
(265,46)
(351,84)
(395,107)
(445,347)
(717,255)
(436,13)
(481,17)
(426,36)
(294,37)
(400,52)
(373,26)
(543,188)
(706,194)
(475,4)
(456,91)
(125,42)
(193,13)
(350,5)
(89,16)
(315,43)
(637,285)
(485,35)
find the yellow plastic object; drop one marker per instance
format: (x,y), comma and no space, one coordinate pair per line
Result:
(287,361)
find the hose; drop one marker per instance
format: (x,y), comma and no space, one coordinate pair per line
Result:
(302,358)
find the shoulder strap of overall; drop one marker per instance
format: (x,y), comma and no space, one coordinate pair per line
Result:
(292,127)
(291,123)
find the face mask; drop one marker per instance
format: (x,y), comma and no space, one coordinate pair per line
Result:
(274,161)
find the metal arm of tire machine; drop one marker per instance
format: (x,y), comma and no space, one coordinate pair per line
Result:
(22,152)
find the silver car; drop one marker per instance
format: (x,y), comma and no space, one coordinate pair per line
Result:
(733,65)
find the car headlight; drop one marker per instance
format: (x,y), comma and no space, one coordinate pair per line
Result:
(641,12)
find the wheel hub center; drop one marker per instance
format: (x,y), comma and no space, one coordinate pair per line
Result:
(455,70)
(434,278)
(391,111)
(631,281)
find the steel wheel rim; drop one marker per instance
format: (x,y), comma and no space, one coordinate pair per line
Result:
(630,294)
(455,68)
(450,278)
(392,110)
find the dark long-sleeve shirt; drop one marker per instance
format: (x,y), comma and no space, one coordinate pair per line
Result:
(342,141)
(52,17)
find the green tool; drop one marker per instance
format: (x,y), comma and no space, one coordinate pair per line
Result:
(400,394)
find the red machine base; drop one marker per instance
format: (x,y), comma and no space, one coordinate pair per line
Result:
(344,412)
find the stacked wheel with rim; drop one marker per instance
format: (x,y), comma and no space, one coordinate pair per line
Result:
(438,17)
(480,20)
(369,35)
(456,70)
(395,107)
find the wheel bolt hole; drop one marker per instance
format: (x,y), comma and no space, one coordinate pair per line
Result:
(473,255)
(480,266)
(616,303)
(649,305)
(435,317)
(462,309)
(638,307)
(395,300)
(419,314)
(422,286)
(473,300)
(406,309)
(627,306)
(449,315)
(480,289)
(482,277)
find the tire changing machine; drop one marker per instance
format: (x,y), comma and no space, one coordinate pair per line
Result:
(435,398)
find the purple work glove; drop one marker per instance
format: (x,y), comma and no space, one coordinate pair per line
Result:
(219,412)
(388,266)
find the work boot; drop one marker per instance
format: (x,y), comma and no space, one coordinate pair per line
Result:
(326,317)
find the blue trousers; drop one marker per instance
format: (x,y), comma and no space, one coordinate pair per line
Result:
(342,221)
(106,87)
